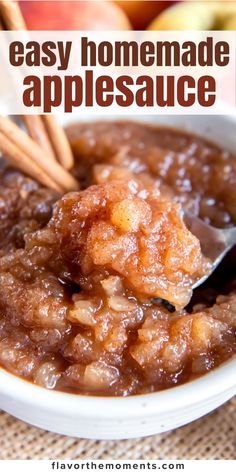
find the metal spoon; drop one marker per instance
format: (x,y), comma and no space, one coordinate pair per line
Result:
(215,243)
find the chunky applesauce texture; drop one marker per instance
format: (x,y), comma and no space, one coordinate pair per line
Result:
(96,286)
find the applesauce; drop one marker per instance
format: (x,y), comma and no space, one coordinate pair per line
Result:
(95,292)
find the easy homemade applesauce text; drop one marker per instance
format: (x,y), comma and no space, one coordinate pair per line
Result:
(95,285)
(154,87)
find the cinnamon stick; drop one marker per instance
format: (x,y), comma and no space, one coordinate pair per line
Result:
(21,161)
(12,15)
(43,130)
(59,141)
(37,132)
(54,170)
(14,21)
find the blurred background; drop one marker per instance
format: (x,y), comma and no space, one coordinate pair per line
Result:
(130,14)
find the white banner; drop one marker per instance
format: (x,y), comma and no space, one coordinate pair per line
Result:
(117,72)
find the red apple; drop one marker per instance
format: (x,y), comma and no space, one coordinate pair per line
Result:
(142,12)
(74,15)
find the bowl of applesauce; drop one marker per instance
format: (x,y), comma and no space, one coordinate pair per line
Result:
(101,334)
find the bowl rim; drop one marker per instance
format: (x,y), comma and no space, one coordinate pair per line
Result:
(199,390)
(191,393)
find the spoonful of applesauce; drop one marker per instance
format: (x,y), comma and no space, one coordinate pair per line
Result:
(215,243)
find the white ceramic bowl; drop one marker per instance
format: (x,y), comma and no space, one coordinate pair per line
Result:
(141,415)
